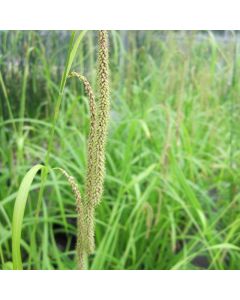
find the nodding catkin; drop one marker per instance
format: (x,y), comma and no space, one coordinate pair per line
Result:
(96,151)
(100,136)
(103,114)
(81,254)
(88,199)
(88,207)
(91,138)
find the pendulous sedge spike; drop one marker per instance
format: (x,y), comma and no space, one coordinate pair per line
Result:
(99,116)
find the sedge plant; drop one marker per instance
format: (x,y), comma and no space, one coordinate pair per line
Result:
(86,205)
(172,159)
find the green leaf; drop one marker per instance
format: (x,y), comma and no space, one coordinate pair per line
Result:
(18,213)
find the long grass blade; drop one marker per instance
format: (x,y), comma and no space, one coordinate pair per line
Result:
(18,214)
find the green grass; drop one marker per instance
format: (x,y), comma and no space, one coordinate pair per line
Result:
(172,196)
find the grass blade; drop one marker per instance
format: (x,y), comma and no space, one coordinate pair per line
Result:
(18,213)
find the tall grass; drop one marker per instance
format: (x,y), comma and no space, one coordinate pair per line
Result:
(28,178)
(171,198)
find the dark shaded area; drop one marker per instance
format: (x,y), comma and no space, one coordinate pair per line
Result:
(65,240)
(201,261)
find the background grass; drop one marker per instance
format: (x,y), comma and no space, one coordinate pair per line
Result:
(172,196)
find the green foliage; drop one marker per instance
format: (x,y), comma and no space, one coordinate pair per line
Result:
(171,194)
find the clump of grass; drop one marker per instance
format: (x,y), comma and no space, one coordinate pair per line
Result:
(157,77)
